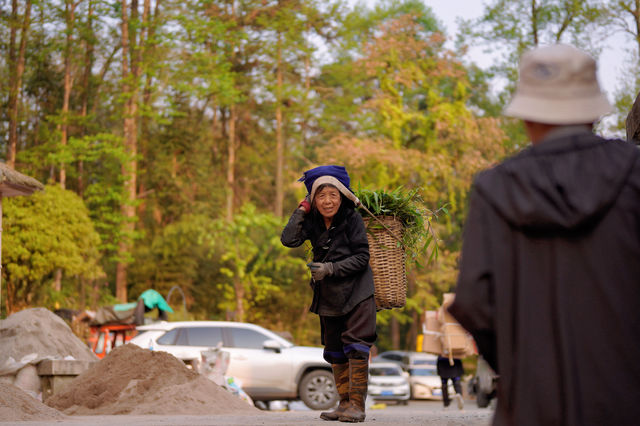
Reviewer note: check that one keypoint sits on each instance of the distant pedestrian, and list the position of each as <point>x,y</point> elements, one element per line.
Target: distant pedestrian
<point>447,372</point>
<point>549,281</point>
<point>342,282</point>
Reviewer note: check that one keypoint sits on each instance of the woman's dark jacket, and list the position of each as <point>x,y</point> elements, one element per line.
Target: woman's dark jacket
<point>345,245</point>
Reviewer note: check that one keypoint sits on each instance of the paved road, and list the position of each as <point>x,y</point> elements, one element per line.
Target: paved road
<point>416,413</point>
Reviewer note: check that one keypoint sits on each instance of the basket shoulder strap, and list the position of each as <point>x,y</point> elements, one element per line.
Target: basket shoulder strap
<point>382,223</point>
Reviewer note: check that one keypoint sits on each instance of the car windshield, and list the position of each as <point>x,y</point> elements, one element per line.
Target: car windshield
<point>384,371</point>
<point>423,372</point>
<point>424,362</point>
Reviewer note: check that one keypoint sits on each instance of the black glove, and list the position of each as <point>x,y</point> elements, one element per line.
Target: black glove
<point>320,270</point>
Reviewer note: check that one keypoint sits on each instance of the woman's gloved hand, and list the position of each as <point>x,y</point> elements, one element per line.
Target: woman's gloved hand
<point>320,270</point>
<point>305,204</point>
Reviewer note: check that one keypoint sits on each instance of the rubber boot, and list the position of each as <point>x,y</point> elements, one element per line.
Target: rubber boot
<point>341,377</point>
<point>358,382</point>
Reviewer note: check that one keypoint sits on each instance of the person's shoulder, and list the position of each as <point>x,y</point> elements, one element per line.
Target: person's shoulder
<point>494,179</point>
<point>488,177</point>
<point>612,142</point>
<point>623,145</point>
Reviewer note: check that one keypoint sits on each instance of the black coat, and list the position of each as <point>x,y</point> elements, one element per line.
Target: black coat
<point>345,245</point>
<point>549,281</point>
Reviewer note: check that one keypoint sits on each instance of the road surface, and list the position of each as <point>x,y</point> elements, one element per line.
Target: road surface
<point>416,413</point>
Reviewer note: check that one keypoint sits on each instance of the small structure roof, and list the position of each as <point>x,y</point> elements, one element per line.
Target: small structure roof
<point>14,183</point>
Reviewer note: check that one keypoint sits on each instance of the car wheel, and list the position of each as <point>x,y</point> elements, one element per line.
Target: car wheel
<point>318,391</point>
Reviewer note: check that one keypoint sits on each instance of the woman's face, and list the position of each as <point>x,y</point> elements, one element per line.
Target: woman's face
<point>328,201</point>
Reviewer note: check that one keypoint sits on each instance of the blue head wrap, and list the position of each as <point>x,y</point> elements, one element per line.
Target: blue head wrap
<point>337,172</point>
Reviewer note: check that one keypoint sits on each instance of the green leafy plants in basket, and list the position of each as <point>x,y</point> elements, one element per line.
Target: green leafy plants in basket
<point>408,207</point>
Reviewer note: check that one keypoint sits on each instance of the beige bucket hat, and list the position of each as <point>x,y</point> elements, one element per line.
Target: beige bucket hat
<point>558,85</point>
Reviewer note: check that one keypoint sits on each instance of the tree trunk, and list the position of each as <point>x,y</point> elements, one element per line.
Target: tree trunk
<point>147,50</point>
<point>88,65</point>
<point>302,319</point>
<point>130,79</point>
<point>70,11</point>
<point>214,131</point>
<point>102,75</point>
<point>394,327</point>
<point>9,299</point>
<point>57,280</point>
<point>16,70</point>
<point>231,144</point>
<point>307,90</point>
<point>239,290</point>
<point>534,22</point>
<point>231,161</point>
<point>412,334</point>
<point>279,201</point>
<point>636,16</point>
<point>123,246</point>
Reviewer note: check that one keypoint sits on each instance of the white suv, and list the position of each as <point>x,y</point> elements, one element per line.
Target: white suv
<point>269,366</point>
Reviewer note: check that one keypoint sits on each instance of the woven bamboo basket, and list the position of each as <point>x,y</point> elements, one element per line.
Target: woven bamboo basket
<point>387,260</point>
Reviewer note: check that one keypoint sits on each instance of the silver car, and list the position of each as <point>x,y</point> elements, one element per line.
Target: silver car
<point>425,382</point>
<point>268,366</point>
<point>387,382</point>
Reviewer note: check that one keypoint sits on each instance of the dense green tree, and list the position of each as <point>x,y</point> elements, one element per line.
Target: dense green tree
<point>47,231</point>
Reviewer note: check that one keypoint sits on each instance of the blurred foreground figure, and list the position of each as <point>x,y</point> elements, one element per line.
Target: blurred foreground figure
<point>549,281</point>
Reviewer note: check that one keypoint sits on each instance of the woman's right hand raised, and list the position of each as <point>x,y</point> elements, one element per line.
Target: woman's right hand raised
<point>305,205</point>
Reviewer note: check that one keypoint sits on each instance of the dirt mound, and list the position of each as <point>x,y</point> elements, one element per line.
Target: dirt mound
<point>37,334</point>
<point>16,405</point>
<point>132,380</point>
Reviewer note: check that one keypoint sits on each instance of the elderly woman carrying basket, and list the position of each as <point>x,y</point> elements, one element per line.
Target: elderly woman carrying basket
<point>342,282</point>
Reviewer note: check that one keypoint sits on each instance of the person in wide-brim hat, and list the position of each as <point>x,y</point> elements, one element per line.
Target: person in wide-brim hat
<point>551,256</point>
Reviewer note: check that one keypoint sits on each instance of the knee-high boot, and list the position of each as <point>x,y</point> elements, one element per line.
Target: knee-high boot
<point>358,383</point>
<point>341,377</point>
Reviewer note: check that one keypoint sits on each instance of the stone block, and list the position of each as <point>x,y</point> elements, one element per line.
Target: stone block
<point>62,367</point>
<point>56,374</point>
